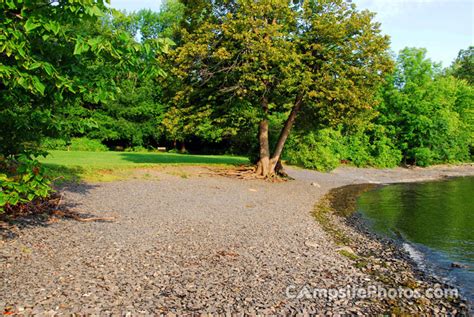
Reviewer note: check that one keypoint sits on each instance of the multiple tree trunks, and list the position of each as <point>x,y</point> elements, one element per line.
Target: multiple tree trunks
<point>270,165</point>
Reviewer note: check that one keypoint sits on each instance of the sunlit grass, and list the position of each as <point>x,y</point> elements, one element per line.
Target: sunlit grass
<point>110,166</point>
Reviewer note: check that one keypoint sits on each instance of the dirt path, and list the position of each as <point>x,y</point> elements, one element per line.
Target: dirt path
<point>195,244</point>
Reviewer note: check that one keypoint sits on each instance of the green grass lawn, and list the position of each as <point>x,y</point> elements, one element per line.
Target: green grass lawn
<point>103,166</point>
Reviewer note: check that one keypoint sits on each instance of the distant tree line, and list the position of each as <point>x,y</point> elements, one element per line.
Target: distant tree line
<point>311,82</point>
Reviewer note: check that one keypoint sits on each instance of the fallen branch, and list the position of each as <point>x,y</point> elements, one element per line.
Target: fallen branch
<point>49,206</point>
<point>76,216</point>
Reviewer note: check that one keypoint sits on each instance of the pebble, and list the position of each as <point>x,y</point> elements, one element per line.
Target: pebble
<point>180,246</point>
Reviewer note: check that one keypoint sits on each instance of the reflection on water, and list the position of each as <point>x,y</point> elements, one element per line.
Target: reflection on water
<point>435,217</point>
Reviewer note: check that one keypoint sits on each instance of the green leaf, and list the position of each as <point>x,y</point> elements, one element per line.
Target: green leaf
<point>80,47</point>
<point>34,65</point>
<point>40,87</point>
<point>55,27</point>
<point>95,11</point>
<point>3,199</point>
<point>30,25</point>
<point>11,4</point>
<point>48,68</point>
<point>14,198</point>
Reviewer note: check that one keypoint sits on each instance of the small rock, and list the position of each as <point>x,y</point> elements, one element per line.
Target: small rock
<point>311,244</point>
<point>346,249</point>
<point>315,185</point>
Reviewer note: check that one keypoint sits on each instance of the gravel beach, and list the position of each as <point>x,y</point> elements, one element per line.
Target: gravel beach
<point>188,242</point>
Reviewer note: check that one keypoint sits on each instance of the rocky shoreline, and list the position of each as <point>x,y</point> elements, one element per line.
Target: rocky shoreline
<point>383,258</point>
<point>205,244</point>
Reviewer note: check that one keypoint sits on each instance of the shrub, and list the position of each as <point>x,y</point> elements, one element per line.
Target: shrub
<point>53,144</point>
<point>85,144</point>
<point>422,156</point>
<point>385,154</point>
<point>324,149</point>
<point>317,150</point>
<point>22,181</point>
<point>137,149</point>
<point>356,149</point>
<point>371,146</point>
<point>75,144</point>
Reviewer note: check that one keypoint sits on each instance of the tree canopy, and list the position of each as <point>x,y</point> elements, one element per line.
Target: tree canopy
<point>233,76</point>
<point>323,59</point>
<point>59,55</point>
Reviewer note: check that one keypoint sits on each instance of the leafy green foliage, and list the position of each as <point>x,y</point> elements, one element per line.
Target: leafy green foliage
<point>59,55</point>
<point>132,119</point>
<point>133,116</point>
<point>463,66</point>
<point>98,78</point>
<point>162,24</point>
<point>58,60</point>
<point>428,113</point>
<point>74,144</point>
<point>316,150</point>
<point>423,117</point>
<point>325,149</point>
<point>22,180</point>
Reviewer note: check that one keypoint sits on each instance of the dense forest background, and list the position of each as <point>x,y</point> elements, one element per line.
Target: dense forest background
<point>111,80</point>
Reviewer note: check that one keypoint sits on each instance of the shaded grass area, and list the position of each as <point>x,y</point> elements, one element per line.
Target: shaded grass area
<point>109,166</point>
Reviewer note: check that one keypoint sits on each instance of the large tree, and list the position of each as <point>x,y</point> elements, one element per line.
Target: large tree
<point>56,54</point>
<point>428,113</point>
<point>132,118</point>
<point>463,66</point>
<point>315,61</point>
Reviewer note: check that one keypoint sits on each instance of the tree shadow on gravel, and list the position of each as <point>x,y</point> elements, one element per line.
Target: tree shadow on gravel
<point>75,187</point>
<point>11,228</point>
<point>51,212</point>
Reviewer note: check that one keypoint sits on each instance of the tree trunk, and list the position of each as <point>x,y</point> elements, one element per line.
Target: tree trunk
<point>263,165</point>
<point>267,166</point>
<point>275,162</point>
<point>183,147</point>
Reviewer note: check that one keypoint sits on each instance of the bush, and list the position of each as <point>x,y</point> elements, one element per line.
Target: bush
<point>323,150</point>
<point>85,144</point>
<point>75,144</point>
<point>422,156</point>
<point>317,150</point>
<point>356,149</point>
<point>371,147</point>
<point>22,181</point>
<point>385,154</point>
<point>53,144</point>
<point>139,149</point>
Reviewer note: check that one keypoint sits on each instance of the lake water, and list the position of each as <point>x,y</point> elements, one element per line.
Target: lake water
<point>436,219</point>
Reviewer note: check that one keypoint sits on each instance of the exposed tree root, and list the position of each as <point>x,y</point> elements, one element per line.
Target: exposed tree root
<point>246,173</point>
<point>49,208</point>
